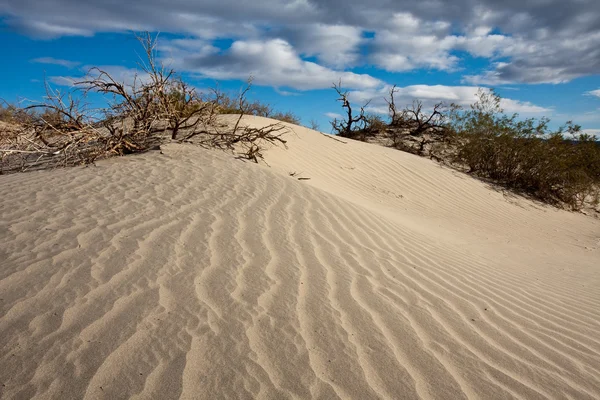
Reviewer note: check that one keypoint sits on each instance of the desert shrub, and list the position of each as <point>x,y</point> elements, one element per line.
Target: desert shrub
<point>185,111</point>
<point>7,120</point>
<point>525,155</point>
<point>375,123</point>
<point>229,104</point>
<point>7,112</point>
<point>314,125</point>
<point>372,126</point>
<point>560,166</point>
<point>287,116</point>
<point>138,116</point>
<point>416,129</point>
<point>351,126</point>
<point>248,140</point>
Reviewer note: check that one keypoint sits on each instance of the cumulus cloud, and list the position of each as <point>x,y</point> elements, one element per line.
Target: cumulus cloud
<point>522,107</point>
<point>550,41</point>
<point>272,62</point>
<point>334,45</point>
<point>546,58</point>
<point>407,42</point>
<point>398,52</point>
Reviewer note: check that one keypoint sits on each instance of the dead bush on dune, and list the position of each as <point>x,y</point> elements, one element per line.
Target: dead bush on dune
<point>314,125</point>
<point>155,106</point>
<point>415,129</point>
<point>64,131</point>
<point>228,104</point>
<point>248,141</point>
<point>8,122</point>
<point>287,116</point>
<point>156,102</point>
<point>351,126</point>
<point>58,132</point>
<point>557,167</point>
<point>7,112</point>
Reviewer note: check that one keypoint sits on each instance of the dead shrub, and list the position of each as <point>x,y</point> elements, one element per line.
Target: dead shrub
<point>247,141</point>
<point>229,104</point>
<point>140,115</point>
<point>351,126</point>
<point>417,130</point>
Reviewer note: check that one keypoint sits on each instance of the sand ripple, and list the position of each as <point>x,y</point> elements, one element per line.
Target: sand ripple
<point>192,275</point>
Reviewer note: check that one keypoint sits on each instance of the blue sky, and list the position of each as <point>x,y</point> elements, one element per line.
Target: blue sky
<point>543,57</point>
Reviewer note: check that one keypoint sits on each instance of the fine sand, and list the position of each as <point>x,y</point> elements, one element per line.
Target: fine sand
<point>190,274</point>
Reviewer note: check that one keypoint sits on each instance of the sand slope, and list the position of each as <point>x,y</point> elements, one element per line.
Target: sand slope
<point>193,275</point>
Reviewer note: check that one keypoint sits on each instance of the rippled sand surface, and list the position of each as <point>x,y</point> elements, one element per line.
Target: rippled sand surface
<point>190,274</point>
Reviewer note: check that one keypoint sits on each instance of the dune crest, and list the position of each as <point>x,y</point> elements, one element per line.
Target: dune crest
<point>190,274</point>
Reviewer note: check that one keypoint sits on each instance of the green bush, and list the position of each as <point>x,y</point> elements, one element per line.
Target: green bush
<point>525,155</point>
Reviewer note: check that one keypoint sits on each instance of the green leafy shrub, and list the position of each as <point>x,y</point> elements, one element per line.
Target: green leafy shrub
<point>525,155</point>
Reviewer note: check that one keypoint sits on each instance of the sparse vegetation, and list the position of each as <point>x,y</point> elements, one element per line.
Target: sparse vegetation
<point>416,130</point>
<point>249,139</point>
<point>228,104</point>
<point>314,125</point>
<point>520,154</point>
<point>559,167</point>
<point>64,130</point>
<point>7,112</point>
<point>525,155</point>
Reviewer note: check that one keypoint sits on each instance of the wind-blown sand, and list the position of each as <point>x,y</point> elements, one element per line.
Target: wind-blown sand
<point>191,274</point>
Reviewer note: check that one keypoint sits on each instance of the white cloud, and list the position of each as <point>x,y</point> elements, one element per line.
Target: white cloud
<point>549,41</point>
<point>398,53</point>
<point>55,61</point>
<point>128,76</point>
<point>334,45</point>
<point>410,43</point>
<point>407,43</point>
<point>63,80</point>
<point>333,115</point>
<point>432,94</point>
<point>272,62</point>
<point>482,45</point>
<point>593,132</point>
<point>594,93</point>
<point>491,77</point>
<point>49,30</point>
<point>545,57</point>
<point>522,107</point>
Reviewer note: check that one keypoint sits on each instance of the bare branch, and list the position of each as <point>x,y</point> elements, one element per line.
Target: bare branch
<point>351,124</point>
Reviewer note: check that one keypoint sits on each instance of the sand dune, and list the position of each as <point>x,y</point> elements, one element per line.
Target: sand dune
<point>190,274</point>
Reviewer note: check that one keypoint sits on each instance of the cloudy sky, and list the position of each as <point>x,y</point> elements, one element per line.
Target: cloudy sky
<point>543,56</point>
